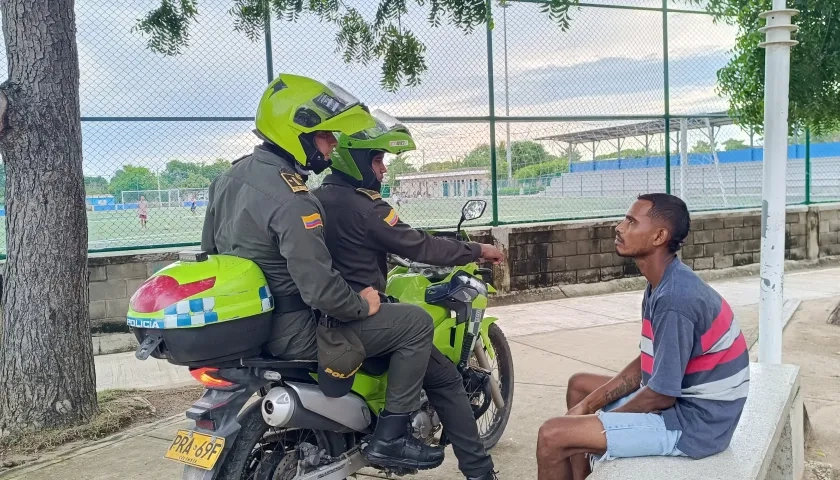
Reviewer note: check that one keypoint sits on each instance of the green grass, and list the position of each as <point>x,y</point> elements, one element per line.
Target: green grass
<point>167,226</point>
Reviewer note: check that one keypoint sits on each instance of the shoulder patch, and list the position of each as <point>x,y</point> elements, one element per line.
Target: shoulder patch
<point>312,221</point>
<point>372,194</point>
<point>392,218</point>
<point>294,181</point>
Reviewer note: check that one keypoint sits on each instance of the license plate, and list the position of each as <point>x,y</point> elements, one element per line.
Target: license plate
<point>196,449</point>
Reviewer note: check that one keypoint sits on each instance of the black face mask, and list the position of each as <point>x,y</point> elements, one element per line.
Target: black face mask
<point>364,162</point>
<point>315,160</point>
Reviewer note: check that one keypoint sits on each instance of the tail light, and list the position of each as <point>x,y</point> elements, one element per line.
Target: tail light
<point>209,378</point>
<point>206,424</point>
<point>163,291</point>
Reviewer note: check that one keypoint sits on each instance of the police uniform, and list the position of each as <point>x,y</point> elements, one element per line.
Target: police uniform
<point>361,230</point>
<point>261,209</point>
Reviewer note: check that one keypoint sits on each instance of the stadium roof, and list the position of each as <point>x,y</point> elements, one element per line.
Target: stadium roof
<point>638,129</point>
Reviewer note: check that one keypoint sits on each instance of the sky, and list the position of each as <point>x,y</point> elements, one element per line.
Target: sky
<point>610,62</point>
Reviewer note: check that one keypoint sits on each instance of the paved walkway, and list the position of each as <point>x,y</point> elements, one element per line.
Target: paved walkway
<point>124,371</point>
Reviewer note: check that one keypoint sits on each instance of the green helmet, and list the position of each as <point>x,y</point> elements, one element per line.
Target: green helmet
<point>293,108</point>
<point>354,155</point>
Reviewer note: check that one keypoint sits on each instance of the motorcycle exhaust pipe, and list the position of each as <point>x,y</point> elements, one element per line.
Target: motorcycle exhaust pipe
<point>301,405</point>
<point>483,362</point>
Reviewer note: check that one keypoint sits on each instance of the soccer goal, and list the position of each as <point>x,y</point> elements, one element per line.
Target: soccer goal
<point>156,198</point>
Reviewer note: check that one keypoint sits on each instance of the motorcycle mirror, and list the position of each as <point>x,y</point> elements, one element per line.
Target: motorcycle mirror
<point>473,209</point>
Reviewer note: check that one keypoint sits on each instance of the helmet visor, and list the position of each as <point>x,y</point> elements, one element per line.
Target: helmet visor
<point>327,104</point>
<point>384,124</point>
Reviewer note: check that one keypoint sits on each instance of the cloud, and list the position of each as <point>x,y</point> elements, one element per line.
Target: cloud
<point>609,62</point>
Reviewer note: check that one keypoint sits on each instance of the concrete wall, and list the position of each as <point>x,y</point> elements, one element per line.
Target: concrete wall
<point>113,280</point>
<point>549,255</point>
<point>829,232</point>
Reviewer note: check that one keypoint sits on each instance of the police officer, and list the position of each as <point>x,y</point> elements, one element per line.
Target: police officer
<point>361,231</point>
<point>262,210</point>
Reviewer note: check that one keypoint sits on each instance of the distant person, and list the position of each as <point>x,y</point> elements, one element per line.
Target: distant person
<point>192,205</point>
<point>685,392</point>
<point>143,210</point>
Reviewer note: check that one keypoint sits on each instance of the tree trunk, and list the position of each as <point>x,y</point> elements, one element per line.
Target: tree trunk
<point>47,376</point>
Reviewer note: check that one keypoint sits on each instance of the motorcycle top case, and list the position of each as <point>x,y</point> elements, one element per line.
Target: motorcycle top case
<point>203,308</point>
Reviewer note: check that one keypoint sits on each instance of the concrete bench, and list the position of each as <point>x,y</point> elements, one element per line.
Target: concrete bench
<point>769,442</point>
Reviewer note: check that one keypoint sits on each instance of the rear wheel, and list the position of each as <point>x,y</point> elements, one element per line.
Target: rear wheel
<point>491,425</point>
<point>261,452</point>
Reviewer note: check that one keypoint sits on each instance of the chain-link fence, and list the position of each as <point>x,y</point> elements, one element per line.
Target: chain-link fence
<point>545,125</point>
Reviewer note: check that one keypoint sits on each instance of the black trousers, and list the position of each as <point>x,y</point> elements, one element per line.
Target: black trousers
<point>445,388</point>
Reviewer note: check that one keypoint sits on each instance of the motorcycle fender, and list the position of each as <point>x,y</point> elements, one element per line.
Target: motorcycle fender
<point>485,335</point>
<point>229,431</point>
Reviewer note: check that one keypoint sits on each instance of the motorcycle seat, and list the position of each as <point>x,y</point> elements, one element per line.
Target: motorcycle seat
<point>375,366</point>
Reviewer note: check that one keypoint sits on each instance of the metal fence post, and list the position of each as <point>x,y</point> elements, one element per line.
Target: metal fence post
<point>494,187</point>
<point>269,60</point>
<point>807,166</point>
<point>667,97</point>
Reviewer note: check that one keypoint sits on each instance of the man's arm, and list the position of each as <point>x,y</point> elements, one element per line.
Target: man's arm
<point>388,233</point>
<point>300,234</point>
<point>208,231</point>
<point>624,383</point>
<point>672,346</point>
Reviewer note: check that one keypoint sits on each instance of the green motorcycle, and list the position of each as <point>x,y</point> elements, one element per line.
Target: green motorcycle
<point>208,312</point>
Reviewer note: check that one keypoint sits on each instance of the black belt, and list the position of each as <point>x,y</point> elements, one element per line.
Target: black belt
<point>289,303</point>
<point>328,321</point>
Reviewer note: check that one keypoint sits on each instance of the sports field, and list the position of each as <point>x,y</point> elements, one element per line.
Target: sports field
<point>176,225</point>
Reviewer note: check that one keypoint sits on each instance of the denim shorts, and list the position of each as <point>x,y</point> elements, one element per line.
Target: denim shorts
<point>635,434</point>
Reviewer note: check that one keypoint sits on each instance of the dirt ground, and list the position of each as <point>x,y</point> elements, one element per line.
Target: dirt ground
<point>119,410</point>
<point>814,345</point>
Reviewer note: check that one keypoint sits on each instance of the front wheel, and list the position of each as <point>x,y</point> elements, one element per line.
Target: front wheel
<point>491,424</point>
<point>261,452</point>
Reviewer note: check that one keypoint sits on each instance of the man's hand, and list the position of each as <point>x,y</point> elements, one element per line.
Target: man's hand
<point>372,298</point>
<point>489,253</point>
<point>580,409</point>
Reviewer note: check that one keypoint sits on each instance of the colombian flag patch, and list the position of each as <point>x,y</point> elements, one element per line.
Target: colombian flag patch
<point>392,218</point>
<point>312,221</point>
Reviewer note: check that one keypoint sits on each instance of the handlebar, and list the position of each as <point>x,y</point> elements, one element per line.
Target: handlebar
<point>399,260</point>
<point>416,265</point>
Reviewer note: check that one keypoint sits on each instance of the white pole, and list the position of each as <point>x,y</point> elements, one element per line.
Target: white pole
<point>773,189</point>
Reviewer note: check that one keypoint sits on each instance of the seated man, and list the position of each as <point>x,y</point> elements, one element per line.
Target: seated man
<point>684,394</point>
<point>361,229</point>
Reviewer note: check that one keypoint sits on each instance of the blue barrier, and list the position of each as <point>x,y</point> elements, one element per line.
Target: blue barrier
<point>134,206</point>
<point>735,156</point>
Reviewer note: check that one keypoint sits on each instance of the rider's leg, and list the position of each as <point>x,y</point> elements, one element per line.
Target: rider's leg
<point>405,332</point>
<point>293,336</point>
<point>445,389</point>
<point>579,387</point>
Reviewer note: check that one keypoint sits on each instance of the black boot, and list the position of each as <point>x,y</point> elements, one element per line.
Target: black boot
<point>393,446</point>
<point>491,475</point>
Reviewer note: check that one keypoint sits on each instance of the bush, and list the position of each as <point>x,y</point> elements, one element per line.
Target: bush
<point>540,169</point>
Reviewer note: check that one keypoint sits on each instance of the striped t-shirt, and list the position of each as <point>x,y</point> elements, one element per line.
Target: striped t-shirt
<point>693,349</point>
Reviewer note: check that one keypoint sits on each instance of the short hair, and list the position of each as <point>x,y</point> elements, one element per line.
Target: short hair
<point>674,212</point>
